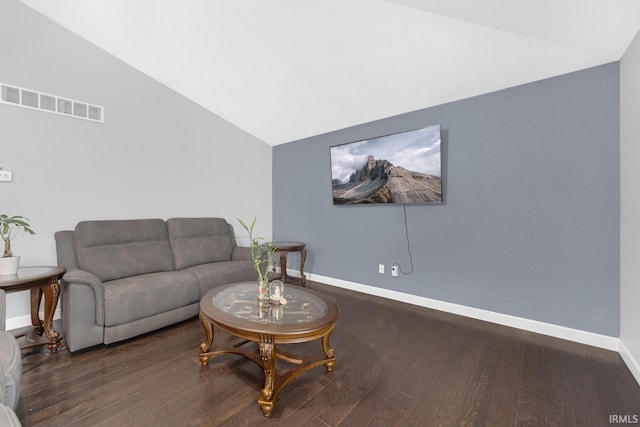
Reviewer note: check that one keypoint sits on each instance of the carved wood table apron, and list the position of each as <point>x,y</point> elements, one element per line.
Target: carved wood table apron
<point>39,280</point>
<point>284,247</point>
<point>307,316</point>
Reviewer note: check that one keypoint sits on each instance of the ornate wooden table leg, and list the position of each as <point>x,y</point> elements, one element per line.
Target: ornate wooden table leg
<point>206,345</point>
<point>36,299</point>
<point>329,352</point>
<point>51,295</point>
<point>268,356</point>
<point>303,257</point>
<point>283,266</point>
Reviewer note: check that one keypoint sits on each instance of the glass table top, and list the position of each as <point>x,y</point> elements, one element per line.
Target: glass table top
<point>26,273</point>
<point>241,301</point>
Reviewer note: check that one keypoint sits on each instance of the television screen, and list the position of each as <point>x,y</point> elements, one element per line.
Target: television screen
<point>399,168</point>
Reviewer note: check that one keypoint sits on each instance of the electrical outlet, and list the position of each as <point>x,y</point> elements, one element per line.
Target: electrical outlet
<point>395,270</point>
<point>381,268</point>
<point>5,176</point>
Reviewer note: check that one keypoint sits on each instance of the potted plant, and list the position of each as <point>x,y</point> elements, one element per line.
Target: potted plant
<point>9,226</point>
<point>261,254</point>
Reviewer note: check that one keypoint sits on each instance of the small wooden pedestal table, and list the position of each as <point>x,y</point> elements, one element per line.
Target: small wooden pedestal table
<point>39,280</point>
<point>307,316</point>
<point>284,247</point>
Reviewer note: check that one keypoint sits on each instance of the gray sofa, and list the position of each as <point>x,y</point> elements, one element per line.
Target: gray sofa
<point>128,277</point>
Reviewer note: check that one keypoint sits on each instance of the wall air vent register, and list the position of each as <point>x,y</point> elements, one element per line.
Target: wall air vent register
<point>21,97</point>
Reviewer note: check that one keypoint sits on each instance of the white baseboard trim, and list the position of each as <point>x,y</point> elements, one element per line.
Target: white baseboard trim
<point>22,321</point>
<point>632,362</point>
<point>570,334</point>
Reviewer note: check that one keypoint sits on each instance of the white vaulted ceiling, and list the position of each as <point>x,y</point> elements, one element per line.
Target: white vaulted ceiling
<point>283,70</point>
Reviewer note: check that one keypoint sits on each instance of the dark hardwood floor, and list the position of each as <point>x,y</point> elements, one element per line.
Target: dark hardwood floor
<point>397,365</point>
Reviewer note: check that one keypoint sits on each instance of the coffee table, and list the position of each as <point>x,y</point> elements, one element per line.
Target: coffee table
<point>40,281</point>
<point>307,316</point>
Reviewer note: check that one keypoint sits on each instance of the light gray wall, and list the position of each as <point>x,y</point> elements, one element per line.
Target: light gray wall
<point>530,224</point>
<point>630,211</point>
<point>157,154</point>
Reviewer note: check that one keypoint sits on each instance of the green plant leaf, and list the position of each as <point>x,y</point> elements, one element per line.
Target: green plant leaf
<point>8,224</point>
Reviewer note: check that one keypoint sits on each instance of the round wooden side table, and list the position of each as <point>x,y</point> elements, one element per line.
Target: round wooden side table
<point>40,281</point>
<point>284,247</point>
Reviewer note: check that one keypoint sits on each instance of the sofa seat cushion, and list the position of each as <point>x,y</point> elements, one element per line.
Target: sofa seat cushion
<point>137,297</point>
<point>10,369</point>
<point>222,273</point>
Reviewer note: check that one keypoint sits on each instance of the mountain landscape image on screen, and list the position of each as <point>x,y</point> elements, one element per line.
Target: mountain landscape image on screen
<point>379,181</point>
<point>400,168</point>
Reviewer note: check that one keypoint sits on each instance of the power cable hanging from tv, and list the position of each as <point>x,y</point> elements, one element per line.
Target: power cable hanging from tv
<point>406,230</point>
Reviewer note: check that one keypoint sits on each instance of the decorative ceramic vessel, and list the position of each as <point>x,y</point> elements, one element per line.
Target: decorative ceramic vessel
<point>9,265</point>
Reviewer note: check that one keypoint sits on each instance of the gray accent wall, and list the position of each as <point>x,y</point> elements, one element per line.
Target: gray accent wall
<point>530,223</point>
<point>157,155</point>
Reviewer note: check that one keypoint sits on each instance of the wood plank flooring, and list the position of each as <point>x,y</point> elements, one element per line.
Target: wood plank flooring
<point>397,365</point>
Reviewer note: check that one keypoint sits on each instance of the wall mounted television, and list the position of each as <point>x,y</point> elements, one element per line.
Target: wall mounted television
<point>401,168</point>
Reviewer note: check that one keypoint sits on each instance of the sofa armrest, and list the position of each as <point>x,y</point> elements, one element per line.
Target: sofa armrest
<point>241,253</point>
<point>82,277</point>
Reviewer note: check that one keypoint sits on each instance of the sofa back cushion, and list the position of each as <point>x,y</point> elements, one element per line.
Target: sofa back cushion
<point>122,248</point>
<point>197,241</point>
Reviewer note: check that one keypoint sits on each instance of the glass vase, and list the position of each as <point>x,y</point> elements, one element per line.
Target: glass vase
<point>263,290</point>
